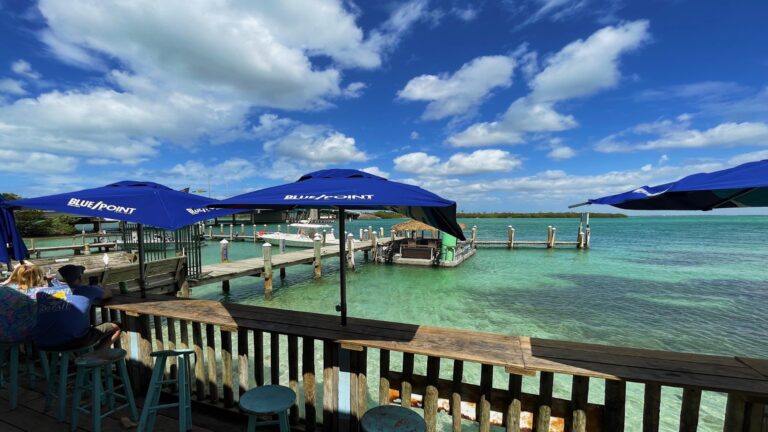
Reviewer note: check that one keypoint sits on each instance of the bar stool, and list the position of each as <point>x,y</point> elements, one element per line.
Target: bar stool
<point>268,400</point>
<point>387,418</point>
<point>152,401</point>
<point>58,375</point>
<point>13,369</point>
<point>94,364</point>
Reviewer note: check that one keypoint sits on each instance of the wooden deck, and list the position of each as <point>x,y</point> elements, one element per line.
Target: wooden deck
<point>29,416</point>
<point>219,272</point>
<point>233,338</point>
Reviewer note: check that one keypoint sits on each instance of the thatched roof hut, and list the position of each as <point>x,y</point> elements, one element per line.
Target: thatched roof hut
<point>413,225</point>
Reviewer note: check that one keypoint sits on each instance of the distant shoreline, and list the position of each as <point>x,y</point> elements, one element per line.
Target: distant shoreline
<point>538,215</point>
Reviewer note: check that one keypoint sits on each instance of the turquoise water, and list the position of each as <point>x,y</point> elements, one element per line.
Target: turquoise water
<point>693,284</point>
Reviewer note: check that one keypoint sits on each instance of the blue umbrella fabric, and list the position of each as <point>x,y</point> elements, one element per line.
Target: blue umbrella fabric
<point>145,203</point>
<point>745,185</point>
<point>12,245</point>
<point>353,190</point>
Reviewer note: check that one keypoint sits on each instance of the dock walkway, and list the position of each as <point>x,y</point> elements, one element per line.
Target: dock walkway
<point>225,271</point>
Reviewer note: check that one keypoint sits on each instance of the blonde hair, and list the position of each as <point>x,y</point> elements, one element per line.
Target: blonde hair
<point>26,275</point>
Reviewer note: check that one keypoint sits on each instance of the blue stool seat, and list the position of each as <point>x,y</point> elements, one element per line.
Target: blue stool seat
<point>268,400</point>
<point>13,369</point>
<point>58,375</point>
<point>93,364</point>
<point>387,418</point>
<point>156,383</point>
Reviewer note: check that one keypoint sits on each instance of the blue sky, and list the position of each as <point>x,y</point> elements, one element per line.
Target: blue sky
<point>511,105</point>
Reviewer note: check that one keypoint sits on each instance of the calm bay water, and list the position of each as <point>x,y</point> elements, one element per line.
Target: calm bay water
<point>695,284</point>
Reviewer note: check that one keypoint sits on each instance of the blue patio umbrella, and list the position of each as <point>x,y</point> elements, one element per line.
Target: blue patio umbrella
<point>745,185</point>
<point>346,189</point>
<point>12,245</point>
<point>143,203</point>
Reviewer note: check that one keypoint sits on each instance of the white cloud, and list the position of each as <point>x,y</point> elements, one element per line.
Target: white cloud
<point>585,67</point>
<point>258,52</point>
<point>107,124</point>
<point>678,135</point>
<point>561,153</point>
<point>375,171</point>
<point>23,68</point>
<point>354,90</point>
<point>521,117</point>
<point>468,13</point>
<point>26,162</point>
<point>316,144</point>
<point>414,135</point>
<point>477,162</point>
<point>195,172</point>
<point>579,69</point>
<point>12,87</point>
<point>465,89</point>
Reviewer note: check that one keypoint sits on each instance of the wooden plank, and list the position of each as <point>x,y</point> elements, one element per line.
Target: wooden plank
<point>145,349</point>
<point>484,404</point>
<point>308,377</point>
<point>258,357</point>
<point>293,376</point>
<point>407,386</point>
<point>384,377</point>
<point>651,407</point>
<point>689,412</point>
<point>615,396</point>
<point>274,358</point>
<point>200,382</point>
<point>735,411</point>
<point>456,391</point>
<point>514,403</point>
<point>330,385</point>
<point>430,396</point>
<point>213,383</point>
<point>172,366</point>
<point>243,365</point>
<point>544,404</point>
<point>226,369</point>
<point>577,422</point>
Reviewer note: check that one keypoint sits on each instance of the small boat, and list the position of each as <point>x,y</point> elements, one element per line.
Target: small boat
<point>303,237</point>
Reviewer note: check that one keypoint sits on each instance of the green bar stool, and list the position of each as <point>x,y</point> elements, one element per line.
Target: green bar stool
<point>13,367</point>
<point>59,376</point>
<point>152,401</point>
<point>91,366</point>
<point>268,400</point>
<point>387,418</point>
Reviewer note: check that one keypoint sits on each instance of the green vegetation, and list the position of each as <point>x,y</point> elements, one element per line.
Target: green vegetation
<point>383,214</point>
<point>537,215</point>
<point>33,223</point>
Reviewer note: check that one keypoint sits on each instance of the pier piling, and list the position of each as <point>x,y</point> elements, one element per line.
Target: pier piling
<point>510,237</point>
<point>351,251</point>
<point>266,253</point>
<point>317,263</point>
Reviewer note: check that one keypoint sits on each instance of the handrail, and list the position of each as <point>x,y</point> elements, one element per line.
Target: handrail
<point>744,380</point>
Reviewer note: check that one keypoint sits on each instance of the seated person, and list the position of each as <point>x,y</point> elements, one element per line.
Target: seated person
<point>64,314</point>
<point>18,315</point>
<point>25,275</point>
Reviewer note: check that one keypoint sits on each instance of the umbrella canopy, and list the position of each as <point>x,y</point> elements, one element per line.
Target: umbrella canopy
<point>355,190</point>
<point>745,185</point>
<point>143,203</point>
<point>351,189</point>
<point>413,225</point>
<point>12,245</point>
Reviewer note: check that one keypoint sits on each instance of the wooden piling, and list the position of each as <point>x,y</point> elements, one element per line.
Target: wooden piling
<point>318,269</point>
<point>351,251</point>
<point>255,233</point>
<point>381,231</point>
<point>231,229</point>
<point>510,237</point>
<point>552,240</point>
<point>266,253</point>
<point>474,237</point>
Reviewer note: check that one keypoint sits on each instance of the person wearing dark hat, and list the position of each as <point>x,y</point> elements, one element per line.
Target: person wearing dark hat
<point>64,314</point>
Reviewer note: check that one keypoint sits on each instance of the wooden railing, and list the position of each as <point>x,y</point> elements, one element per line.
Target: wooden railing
<point>310,352</point>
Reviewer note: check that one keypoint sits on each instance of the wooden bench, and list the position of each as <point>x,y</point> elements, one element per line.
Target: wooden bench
<point>163,276</point>
<point>88,261</point>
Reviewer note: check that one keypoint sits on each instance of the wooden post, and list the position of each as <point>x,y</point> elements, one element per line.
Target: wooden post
<point>325,234</point>
<point>244,380</point>
<point>651,406</point>
<point>544,403</point>
<point>226,368</point>
<point>210,231</point>
<point>87,250</point>
<point>330,385</point>
<point>384,377</point>
<point>511,417</point>
<point>351,251</point>
<point>615,397</point>
<point>484,404</point>
<point>266,253</point>
<point>293,375</point>
<point>474,237</point>
<point>317,261</point>
<point>392,234</point>
<point>282,245</point>
<point>552,240</point>
<point>361,234</point>
<point>579,394</point>
<point>430,397</point>
<point>197,340</point>
<point>255,233</point>
<point>221,228</point>
<point>370,232</point>
<point>588,236</point>
<point>279,228</point>
<point>308,376</point>
<point>231,230</point>
<point>456,387</point>
<point>210,355</point>
<point>580,238</point>
<point>510,237</point>
<point>224,250</point>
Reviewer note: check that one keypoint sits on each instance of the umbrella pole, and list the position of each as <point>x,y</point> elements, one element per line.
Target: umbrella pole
<point>342,307</point>
<point>140,235</point>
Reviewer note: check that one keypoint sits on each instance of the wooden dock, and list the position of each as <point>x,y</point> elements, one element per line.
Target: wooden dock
<point>263,266</point>
<point>583,239</point>
<point>79,249</point>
